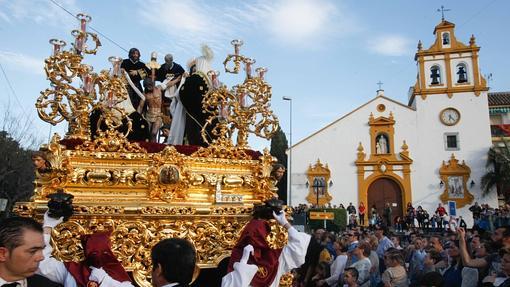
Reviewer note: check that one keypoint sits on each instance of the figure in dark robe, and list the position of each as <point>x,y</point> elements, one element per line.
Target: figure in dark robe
<point>192,93</point>
<point>170,73</point>
<point>137,71</point>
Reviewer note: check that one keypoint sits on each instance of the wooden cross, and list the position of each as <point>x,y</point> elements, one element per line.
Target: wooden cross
<point>442,10</point>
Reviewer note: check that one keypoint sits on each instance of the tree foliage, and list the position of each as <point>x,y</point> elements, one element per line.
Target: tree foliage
<point>279,145</point>
<point>16,171</point>
<point>498,170</point>
<point>17,139</point>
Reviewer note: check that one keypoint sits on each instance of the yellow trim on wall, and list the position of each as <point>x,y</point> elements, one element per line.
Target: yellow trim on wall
<point>455,169</point>
<point>383,165</point>
<point>318,170</point>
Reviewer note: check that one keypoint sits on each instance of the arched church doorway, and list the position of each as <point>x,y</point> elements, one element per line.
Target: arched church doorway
<point>382,191</point>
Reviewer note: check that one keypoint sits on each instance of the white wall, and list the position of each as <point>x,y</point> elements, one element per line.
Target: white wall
<point>475,141</point>
<point>337,146</point>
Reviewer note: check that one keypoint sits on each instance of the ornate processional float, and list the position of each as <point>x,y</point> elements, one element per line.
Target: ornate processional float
<point>144,192</point>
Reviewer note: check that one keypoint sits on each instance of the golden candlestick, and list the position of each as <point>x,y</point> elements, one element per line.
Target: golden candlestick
<point>74,88</point>
<point>243,109</point>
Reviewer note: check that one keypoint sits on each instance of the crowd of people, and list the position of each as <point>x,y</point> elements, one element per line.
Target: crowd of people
<point>484,217</point>
<point>357,256</point>
<point>363,256</point>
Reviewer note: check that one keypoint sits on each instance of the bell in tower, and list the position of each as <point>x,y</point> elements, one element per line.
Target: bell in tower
<point>446,39</point>
<point>435,76</point>
<point>462,74</point>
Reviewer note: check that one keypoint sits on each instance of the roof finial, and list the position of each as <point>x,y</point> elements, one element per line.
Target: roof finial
<point>442,10</point>
<point>472,41</point>
<point>420,45</point>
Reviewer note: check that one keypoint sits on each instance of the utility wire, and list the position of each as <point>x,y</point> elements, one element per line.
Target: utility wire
<point>477,13</point>
<point>14,93</point>
<point>92,28</point>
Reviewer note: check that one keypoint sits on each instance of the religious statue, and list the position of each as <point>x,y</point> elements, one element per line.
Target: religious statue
<point>137,71</point>
<point>41,163</point>
<point>153,115</point>
<point>381,146</point>
<point>192,93</point>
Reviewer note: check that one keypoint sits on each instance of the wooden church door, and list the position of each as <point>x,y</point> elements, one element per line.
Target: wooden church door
<point>382,191</point>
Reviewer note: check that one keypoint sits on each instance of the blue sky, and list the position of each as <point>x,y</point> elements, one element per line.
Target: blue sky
<point>326,55</point>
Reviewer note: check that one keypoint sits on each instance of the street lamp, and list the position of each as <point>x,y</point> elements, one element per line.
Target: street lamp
<point>289,161</point>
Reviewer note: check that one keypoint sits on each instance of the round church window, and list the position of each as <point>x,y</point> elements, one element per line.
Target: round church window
<point>381,107</point>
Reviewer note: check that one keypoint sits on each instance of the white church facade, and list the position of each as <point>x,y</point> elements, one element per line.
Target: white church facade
<point>430,150</point>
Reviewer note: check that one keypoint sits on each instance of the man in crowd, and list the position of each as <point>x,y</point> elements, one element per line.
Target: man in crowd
<point>21,251</point>
<point>351,209</point>
<point>441,212</point>
<point>476,209</point>
<point>384,244</point>
<point>173,263</point>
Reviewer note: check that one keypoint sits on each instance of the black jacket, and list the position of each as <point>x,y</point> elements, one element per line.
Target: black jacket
<point>41,281</point>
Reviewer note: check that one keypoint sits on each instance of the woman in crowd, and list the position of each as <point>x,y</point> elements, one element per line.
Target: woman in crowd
<point>395,275</point>
<point>338,265</point>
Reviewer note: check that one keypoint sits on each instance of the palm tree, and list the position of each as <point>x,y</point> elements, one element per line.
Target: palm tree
<point>498,170</point>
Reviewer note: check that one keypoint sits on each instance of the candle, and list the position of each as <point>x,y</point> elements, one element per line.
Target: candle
<point>237,44</point>
<point>57,45</point>
<point>84,19</point>
<point>116,65</point>
<point>248,62</point>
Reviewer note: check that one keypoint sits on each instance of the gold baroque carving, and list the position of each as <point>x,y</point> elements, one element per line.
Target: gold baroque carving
<point>132,240</point>
<point>111,141</point>
<point>231,210</point>
<point>455,175</point>
<point>318,174</point>
<point>278,236</point>
<point>222,149</point>
<point>98,209</point>
<point>178,210</point>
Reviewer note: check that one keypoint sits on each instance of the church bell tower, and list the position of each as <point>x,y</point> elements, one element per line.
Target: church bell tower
<point>452,119</point>
<point>448,66</point>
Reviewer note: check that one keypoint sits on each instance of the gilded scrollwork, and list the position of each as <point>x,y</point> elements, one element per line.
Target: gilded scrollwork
<point>173,210</point>
<point>243,109</point>
<point>286,280</point>
<point>277,237</point>
<point>231,210</point>
<point>111,141</point>
<point>25,209</point>
<point>103,209</point>
<point>222,150</point>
